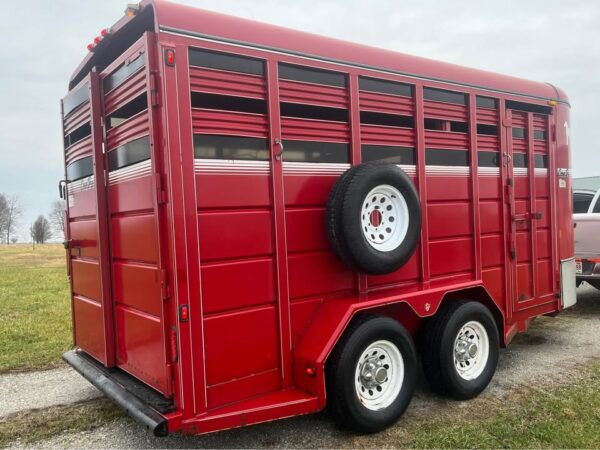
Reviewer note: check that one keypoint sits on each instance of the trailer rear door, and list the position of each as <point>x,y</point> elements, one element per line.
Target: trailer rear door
<point>119,281</point>
<point>531,207</point>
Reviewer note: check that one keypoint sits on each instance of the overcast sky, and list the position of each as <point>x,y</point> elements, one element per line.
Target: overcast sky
<point>554,41</point>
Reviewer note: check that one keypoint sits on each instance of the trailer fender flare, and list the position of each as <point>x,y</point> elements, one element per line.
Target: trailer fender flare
<point>334,315</point>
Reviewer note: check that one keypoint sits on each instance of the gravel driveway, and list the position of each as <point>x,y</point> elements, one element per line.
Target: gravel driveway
<point>548,354</point>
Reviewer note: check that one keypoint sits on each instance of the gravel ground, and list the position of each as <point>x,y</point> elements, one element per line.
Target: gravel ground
<point>38,390</point>
<point>549,354</point>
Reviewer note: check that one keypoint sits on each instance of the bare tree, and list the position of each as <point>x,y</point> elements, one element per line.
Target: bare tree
<point>57,216</point>
<point>11,213</point>
<point>40,230</point>
<point>14,240</point>
<point>3,215</point>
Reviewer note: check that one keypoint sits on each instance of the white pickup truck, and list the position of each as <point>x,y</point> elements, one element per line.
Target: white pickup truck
<point>586,215</point>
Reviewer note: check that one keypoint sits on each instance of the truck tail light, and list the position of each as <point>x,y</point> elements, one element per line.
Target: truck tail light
<point>170,57</point>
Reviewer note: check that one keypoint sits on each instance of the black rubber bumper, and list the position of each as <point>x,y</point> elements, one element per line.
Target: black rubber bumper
<point>101,378</point>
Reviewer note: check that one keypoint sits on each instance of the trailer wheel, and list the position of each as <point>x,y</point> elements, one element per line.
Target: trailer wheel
<point>460,350</point>
<point>374,218</point>
<point>371,375</point>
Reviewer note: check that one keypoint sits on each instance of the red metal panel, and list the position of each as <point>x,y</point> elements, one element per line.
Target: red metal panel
<point>220,190</point>
<point>448,188</point>
<point>84,234</point>
<point>441,264</point>
<point>305,229</point>
<point>492,249</point>
<point>139,342</point>
<point>494,281</point>
<point>241,388</point>
<point>386,103</point>
<point>247,233</point>
<point>130,89</point>
<point>449,219</point>
<point>87,314</point>
<point>490,187</point>
<point>235,285</point>
<point>312,94</point>
<point>447,111</point>
<point>130,196</point>
<point>137,286</point>
<point>86,279</point>
<point>324,270</point>
<point>446,139</point>
<point>408,272</point>
<point>307,190</point>
<point>314,130</point>
<point>222,82</point>
<point>492,218</point>
<point>253,348</point>
<point>376,134</point>
<point>209,121</point>
<point>130,130</point>
<point>302,312</point>
<point>134,238</point>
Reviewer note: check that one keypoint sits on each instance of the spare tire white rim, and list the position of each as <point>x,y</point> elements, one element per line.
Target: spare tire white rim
<point>384,218</point>
<point>471,350</point>
<point>379,375</point>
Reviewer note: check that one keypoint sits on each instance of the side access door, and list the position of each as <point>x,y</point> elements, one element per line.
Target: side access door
<point>135,198</point>
<point>531,209</point>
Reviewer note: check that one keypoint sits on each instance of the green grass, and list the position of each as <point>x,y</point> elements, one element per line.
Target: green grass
<point>34,426</point>
<point>35,318</point>
<point>565,417</point>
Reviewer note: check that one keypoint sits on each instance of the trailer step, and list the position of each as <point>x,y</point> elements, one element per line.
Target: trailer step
<point>139,401</point>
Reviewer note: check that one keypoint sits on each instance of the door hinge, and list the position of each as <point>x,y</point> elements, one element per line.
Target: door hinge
<point>154,98</point>
<point>165,292</point>
<point>161,195</point>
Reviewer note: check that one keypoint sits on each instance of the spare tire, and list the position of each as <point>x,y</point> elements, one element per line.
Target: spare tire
<point>374,218</point>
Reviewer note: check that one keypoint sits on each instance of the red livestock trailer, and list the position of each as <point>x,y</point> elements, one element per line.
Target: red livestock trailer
<point>263,222</point>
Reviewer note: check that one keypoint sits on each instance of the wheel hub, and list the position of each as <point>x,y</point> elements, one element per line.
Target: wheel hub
<point>384,218</point>
<point>471,350</point>
<point>379,375</point>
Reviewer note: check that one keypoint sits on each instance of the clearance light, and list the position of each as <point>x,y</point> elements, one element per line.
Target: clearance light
<point>311,371</point>
<point>184,313</point>
<point>90,46</point>
<point>97,40</point>
<point>132,9</point>
<point>104,32</point>
<point>552,102</point>
<point>170,57</point>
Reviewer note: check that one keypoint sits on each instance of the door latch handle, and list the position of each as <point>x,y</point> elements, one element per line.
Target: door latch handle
<point>278,143</point>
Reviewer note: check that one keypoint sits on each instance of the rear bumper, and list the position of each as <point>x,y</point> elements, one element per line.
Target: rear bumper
<point>590,270</point>
<point>107,383</point>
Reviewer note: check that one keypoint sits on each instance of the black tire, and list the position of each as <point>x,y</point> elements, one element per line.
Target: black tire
<point>343,401</point>
<point>437,349</point>
<point>594,283</point>
<point>344,210</point>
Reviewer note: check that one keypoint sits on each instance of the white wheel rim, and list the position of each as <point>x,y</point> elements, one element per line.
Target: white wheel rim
<point>384,218</point>
<point>379,375</point>
<point>471,350</point>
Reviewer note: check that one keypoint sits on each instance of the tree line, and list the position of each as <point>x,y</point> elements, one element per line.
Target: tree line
<point>40,231</point>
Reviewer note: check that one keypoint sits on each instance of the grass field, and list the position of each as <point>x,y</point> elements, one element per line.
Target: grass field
<point>35,311</point>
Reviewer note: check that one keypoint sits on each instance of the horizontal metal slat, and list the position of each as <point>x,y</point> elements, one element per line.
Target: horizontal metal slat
<point>312,94</point>
<point>519,120</point>
<point>207,121</point>
<point>126,92</point>
<point>373,134</point>
<point>227,83</point>
<point>539,122</point>
<point>318,130</point>
<point>445,139</point>
<point>79,150</point>
<point>485,142</point>
<point>540,146</point>
<point>133,128</point>
<point>77,118</point>
<point>447,111</point>
<point>387,103</point>
<point>487,116</point>
<point>519,144</point>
